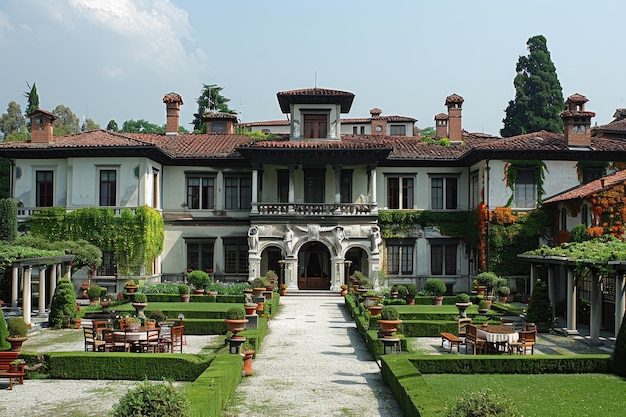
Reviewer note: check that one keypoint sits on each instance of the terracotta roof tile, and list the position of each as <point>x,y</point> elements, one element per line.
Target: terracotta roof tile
<point>586,190</point>
<point>454,98</point>
<point>173,98</point>
<point>89,139</point>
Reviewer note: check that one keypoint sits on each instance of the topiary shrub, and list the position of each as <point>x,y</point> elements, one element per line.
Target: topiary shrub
<point>578,234</point>
<point>140,298</point>
<point>198,279</point>
<point>462,298</point>
<point>540,308</point>
<point>389,313</point>
<point>483,305</point>
<point>402,290</point>
<point>483,404</point>
<point>63,305</point>
<point>504,291</point>
<point>154,399</point>
<point>618,357</point>
<point>435,287</point>
<point>487,279</point>
<point>8,219</point>
<point>4,345</point>
<point>236,313</point>
<point>17,327</point>
<point>94,291</point>
<point>411,290</point>
<point>260,282</point>
<point>184,289</point>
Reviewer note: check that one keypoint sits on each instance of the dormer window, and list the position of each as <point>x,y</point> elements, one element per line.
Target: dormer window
<point>315,125</point>
<point>579,129</point>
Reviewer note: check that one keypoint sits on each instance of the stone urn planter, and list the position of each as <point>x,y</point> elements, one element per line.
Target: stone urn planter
<point>236,325</point>
<point>258,291</point>
<point>16,343</point>
<point>375,310</point>
<point>140,307</point>
<point>388,327</point>
<point>250,308</point>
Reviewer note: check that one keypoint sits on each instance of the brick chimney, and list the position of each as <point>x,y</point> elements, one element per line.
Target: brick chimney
<point>454,104</point>
<point>172,102</point>
<point>441,125</point>
<point>379,126</point>
<point>41,126</point>
<point>220,122</point>
<point>577,122</point>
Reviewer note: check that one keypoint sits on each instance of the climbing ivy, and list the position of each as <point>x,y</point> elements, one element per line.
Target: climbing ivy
<point>400,223</point>
<point>512,168</point>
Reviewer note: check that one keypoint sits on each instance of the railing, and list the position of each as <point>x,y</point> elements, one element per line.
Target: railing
<point>25,212</point>
<point>314,209</point>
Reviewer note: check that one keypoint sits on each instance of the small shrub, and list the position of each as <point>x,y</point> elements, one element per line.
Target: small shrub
<point>236,313</point>
<point>411,290</point>
<point>4,345</point>
<point>260,282</point>
<point>504,291</point>
<point>487,279</point>
<point>17,327</point>
<point>94,292</point>
<point>402,290</point>
<point>389,313</point>
<point>140,298</point>
<point>482,404</point>
<point>540,308</point>
<point>156,315</point>
<point>483,305</point>
<point>198,279</point>
<point>155,399</point>
<point>183,289</point>
<point>364,282</point>
<point>462,298</point>
<point>435,287</point>
<point>63,305</point>
<point>578,234</point>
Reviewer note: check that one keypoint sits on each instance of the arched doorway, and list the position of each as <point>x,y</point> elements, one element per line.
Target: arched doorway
<point>359,260</point>
<point>314,267</point>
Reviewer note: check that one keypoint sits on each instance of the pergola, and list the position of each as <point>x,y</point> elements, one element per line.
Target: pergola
<point>562,271</point>
<point>55,264</point>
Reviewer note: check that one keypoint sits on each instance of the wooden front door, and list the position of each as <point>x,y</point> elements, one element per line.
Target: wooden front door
<point>314,267</point>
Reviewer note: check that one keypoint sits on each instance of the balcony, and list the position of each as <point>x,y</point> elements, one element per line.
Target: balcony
<point>314,209</point>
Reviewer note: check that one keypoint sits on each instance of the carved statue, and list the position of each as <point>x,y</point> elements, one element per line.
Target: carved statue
<point>375,238</point>
<point>289,240</point>
<point>253,238</point>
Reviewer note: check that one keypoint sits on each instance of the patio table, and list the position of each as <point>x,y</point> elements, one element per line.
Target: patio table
<point>498,336</point>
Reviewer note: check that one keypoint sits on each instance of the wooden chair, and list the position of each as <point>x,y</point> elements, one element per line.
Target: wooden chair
<point>165,336</point>
<point>509,323</point>
<point>527,340</point>
<point>120,344</point>
<point>462,327</point>
<point>107,336</point>
<point>100,325</point>
<point>92,344</point>
<point>177,338</point>
<point>151,344</point>
<point>471,338</point>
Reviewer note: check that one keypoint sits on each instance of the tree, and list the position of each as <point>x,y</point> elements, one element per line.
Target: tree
<point>32,101</point>
<point>538,95</point>
<point>13,120</point>
<point>141,126</point>
<point>112,126</point>
<point>428,132</point>
<point>89,124</point>
<point>210,99</point>
<point>63,305</point>
<point>5,175</point>
<point>66,123</point>
<point>539,307</point>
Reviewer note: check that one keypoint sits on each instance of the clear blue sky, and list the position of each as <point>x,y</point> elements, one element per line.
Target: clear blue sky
<point>116,59</point>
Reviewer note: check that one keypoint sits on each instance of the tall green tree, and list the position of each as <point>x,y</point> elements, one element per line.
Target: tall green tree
<point>112,126</point>
<point>67,122</point>
<point>538,94</point>
<point>32,101</point>
<point>210,99</point>
<point>141,126</point>
<point>13,120</point>
<point>89,124</point>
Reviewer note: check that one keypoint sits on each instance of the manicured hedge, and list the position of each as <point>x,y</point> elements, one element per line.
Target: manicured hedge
<point>210,392</point>
<point>120,365</point>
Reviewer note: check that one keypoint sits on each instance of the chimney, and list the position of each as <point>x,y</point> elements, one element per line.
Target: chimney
<point>41,126</point>
<point>577,122</point>
<point>172,102</point>
<point>220,122</point>
<point>379,126</point>
<point>454,104</point>
<point>441,125</point>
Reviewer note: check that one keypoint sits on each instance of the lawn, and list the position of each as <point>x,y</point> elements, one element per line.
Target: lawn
<point>542,395</point>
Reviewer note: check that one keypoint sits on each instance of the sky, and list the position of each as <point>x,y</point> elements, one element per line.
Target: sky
<point>116,59</point>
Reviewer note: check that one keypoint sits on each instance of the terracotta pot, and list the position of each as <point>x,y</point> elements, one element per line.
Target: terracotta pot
<point>198,291</point>
<point>78,323</point>
<point>250,309</point>
<point>185,298</point>
<point>410,300</point>
<point>480,290</point>
<point>388,327</point>
<point>437,301</point>
<point>16,343</point>
<point>247,362</point>
<point>236,326</point>
<point>150,324</point>
<point>375,310</point>
<point>258,291</point>
<point>131,288</point>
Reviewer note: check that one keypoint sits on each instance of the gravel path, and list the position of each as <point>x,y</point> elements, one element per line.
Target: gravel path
<point>313,362</point>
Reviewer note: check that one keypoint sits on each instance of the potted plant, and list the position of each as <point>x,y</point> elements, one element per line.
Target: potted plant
<point>436,288</point>
<point>411,293</point>
<point>184,290</point>
<point>503,293</point>
<point>131,286</point>
<point>140,301</point>
<point>259,285</point>
<point>247,352</point>
<point>489,280</point>
<point>94,292</point>
<point>283,289</point>
<point>133,323</point>
<point>17,329</point>
<point>344,290</point>
<point>250,308</point>
<point>199,279</point>
<point>483,306</point>
<point>462,302</point>
<point>389,321</point>
<point>236,320</point>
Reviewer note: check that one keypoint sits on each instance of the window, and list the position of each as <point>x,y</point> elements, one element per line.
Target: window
<point>579,129</point>
<point>314,180</point>
<point>315,125</point>
<point>235,256</point>
<point>108,187</point>
<point>218,127</point>
<point>238,192</point>
<point>400,256</point>
<point>400,192</point>
<point>397,130</point>
<point>563,218</point>
<point>346,185</point>
<point>200,254</point>
<point>584,214</point>
<point>354,130</point>
<point>201,192</point>
<point>362,130</point>
<point>474,190</point>
<point>44,188</point>
<point>283,186</point>
<point>525,190</point>
<point>444,193</point>
<point>108,266</point>
<point>443,258</point>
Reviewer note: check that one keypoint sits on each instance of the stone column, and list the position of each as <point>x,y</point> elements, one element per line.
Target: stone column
<point>292,187</point>
<point>533,278</point>
<point>42,288</point>
<point>26,294</point>
<point>291,273</point>
<point>15,286</point>
<point>255,191</point>
<point>620,304</point>
<point>373,201</point>
<point>596,308</point>
<point>254,269</point>
<point>336,275</point>
<point>337,169</point>
<point>571,301</point>
<point>373,268</point>
<point>53,281</point>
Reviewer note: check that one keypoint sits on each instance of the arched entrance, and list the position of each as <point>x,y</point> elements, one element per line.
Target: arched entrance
<point>314,267</point>
<point>359,260</point>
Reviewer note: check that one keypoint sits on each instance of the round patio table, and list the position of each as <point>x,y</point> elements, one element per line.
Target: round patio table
<point>498,336</point>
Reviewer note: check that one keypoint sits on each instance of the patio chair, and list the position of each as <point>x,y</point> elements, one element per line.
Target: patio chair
<point>92,344</point>
<point>165,336</point>
<point>151,344</point>
<point>462,327</point>
<point>120,344</point>
<point>527,340</point>
<point>99,325</point>
<point>177,339</point>
<point>471,338</point>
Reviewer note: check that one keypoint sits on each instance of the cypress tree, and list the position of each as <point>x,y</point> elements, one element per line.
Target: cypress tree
<point>538,94</point>
<point>618,357</point>
<point>63,305</point>
<point>540,308</point>
<point>8,219</point>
